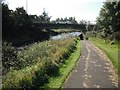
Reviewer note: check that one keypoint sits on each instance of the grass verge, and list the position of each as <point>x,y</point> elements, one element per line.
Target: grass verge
<point>111,51</point>
<point>65,69</point>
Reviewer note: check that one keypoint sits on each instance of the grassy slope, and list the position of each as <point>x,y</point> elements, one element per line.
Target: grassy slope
<point>35,59</point>
<point>65,69</point>
<point>110,50</point>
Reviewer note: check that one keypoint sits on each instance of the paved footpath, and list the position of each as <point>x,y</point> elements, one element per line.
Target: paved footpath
<point>93,70</point>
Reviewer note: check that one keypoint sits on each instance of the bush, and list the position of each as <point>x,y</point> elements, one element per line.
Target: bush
<point>40,77</point>
<point>52,69</point>
<point>9,57</point>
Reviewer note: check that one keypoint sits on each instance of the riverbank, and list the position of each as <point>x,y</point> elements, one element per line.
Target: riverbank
<point>37,63</point>
<point>65,68</point>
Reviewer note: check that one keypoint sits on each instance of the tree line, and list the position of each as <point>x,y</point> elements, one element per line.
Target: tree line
<point>108,22</point>
<point>70,20</point>
<point>17,25</point>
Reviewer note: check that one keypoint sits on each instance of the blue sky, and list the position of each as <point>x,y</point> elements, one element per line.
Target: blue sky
<point>80,9</point>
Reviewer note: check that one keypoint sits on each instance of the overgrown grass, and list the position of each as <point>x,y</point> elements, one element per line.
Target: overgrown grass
<point>65,69</point>
<point>38,63</point>
<point>110,49</point>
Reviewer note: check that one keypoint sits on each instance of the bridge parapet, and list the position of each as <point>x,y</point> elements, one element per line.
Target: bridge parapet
<point>58,25</point>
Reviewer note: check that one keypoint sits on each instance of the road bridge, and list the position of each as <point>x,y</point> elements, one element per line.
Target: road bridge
<point>58,25</point>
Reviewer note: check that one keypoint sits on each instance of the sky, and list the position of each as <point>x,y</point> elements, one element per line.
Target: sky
<point>80,9</point>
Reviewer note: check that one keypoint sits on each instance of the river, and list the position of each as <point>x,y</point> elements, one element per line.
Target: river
<point>64,36</point>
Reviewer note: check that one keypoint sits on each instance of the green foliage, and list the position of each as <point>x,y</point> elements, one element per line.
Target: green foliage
<point>14,19</point>
<point>9,57</point>
<point>65,69</point>
<point>7,21</point>
<point>108,20</point>
<point>17,26</point>
<point>38,62</point>
<point>21,17</point>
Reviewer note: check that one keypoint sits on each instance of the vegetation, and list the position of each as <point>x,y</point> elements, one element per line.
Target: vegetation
<point>17,27</point>
<point>108,21</point>
<point>111,50</point>
<point>70,20</point>
<point>48,61</point>
<point>65,69</point>
<point>36,63</point>
<point>31,67</point>
<point>105,34</point>
<point>107,26</point>
<point>9,55</point>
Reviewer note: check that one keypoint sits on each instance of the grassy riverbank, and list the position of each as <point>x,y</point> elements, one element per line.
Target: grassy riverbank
<point>65,69</point>
<point>39,62</point>
<point>111,50</point>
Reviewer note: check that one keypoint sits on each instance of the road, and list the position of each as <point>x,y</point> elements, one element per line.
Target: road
<point>93,70</point>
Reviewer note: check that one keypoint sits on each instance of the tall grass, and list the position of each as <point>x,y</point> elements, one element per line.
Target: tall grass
<point>38,62</point>
<point>111,50</point>
<point>65,69</point>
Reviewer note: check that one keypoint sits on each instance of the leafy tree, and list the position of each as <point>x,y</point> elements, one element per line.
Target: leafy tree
<point>13,20</point>
<point>21,17</point>
<point>108,20</point>
<point>7,21</point>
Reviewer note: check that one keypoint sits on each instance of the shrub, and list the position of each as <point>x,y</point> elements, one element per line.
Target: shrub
<point>38,62</point>
<point>9,57</point>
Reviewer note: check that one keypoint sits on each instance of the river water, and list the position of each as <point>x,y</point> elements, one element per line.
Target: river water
<point>64,36</point>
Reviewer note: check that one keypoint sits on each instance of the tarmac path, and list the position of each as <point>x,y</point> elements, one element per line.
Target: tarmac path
<point>93,70</point>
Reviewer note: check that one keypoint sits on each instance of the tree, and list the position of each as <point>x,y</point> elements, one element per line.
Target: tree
<point>7,20</point>
<point>83,22</point>
<point>44,18</point>
<point>34,18</point>
<point>21,17</point>
<point>72,20</point>
<point>108,20</point>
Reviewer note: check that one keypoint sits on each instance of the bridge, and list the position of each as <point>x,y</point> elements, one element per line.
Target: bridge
<point>58,25</point>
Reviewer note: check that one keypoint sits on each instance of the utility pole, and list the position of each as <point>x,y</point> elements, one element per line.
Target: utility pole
<point>26,6</point>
